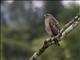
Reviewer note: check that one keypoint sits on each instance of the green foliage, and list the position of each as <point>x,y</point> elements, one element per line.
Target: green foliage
<point>21,42</point>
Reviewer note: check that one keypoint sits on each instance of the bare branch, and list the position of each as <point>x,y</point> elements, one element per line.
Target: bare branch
<point>72,24</point>
<point>63,32</point>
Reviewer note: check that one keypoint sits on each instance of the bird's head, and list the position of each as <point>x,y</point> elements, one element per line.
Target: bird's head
<point>47,15</point>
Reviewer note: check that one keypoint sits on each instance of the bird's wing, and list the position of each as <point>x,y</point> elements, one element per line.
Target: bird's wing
<point>53,28</point>
<point>56,22</point>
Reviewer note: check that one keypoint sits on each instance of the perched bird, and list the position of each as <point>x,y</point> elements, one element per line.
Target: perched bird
<point>51,25</point>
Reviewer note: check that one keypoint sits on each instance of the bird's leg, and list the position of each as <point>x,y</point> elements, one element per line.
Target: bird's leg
<point>56,41</point>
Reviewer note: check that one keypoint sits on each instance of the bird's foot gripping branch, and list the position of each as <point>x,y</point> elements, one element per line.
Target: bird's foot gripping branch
<point>63,32</point>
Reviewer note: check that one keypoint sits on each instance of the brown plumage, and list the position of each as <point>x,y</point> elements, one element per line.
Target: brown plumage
<point>51,26</point>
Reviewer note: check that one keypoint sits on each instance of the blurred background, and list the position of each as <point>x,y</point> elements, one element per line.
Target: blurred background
<point>23,32</point>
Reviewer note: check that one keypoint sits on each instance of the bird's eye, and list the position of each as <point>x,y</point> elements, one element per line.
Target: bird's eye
<point>47,15</point>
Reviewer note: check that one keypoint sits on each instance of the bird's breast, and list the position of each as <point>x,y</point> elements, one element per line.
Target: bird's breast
<point>47,27</point>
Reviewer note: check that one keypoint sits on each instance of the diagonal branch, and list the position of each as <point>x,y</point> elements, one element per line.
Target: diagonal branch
<point>63,32</point>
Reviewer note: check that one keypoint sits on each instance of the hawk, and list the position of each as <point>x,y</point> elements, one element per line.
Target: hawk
<point>52,26</point>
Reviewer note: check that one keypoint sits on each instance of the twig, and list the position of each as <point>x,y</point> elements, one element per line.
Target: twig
<point>63,32</point>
